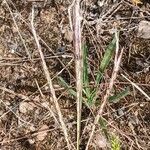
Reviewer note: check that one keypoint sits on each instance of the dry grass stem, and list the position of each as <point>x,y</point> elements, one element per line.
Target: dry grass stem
<point>70,14</point>
<point>5,141</point>
<point>136,86</point>
<point>12,92</point>
<point>113,77</point>
<point>50,82</point>
<point>78,62</point>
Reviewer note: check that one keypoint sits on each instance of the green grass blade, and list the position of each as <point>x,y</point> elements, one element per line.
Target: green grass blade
<point>91,94</point>
<point>65,85</point>
<point>70,91</point>
<point>103,125</point>
<point>103,65</point>
<point>116,98</point>
<point>106,59</point>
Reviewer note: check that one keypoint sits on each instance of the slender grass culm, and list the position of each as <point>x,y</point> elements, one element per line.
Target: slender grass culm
<point>78,63</point>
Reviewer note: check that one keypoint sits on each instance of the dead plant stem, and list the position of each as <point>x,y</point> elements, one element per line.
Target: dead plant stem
<point>50,82</point>
<point>113,77</point>
<point>79,64</point>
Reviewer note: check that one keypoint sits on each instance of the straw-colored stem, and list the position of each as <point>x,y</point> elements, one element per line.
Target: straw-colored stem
<point>79,65</point>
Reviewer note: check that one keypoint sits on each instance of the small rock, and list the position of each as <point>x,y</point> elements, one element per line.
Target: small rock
<point>144,29</point>
<point>69,35</point>
<point>120,112</point>
<point>24,107</point>
<point>100,141</point>
<point>42,133</point>
<point>31,141</point>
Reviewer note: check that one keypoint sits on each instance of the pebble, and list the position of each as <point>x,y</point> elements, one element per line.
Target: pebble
<point>144,29</point>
